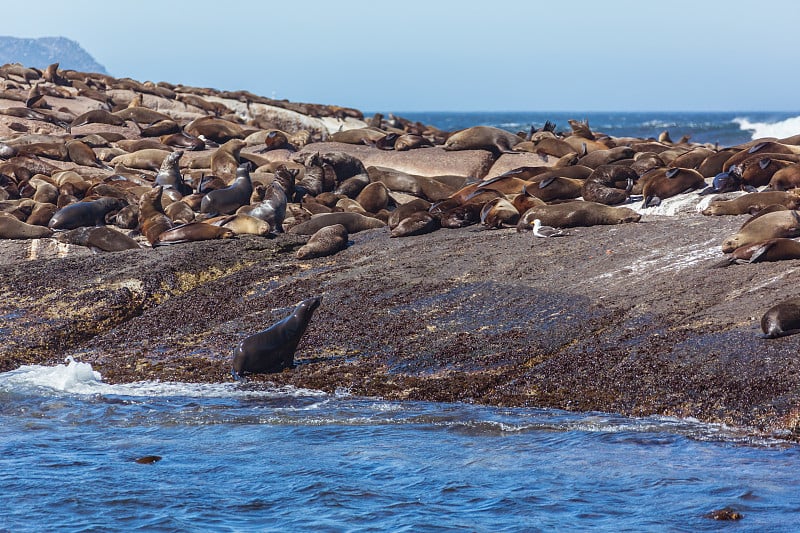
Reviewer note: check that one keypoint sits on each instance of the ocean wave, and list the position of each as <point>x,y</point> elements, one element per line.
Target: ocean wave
<point>81,379</point>
<point>778,129</point>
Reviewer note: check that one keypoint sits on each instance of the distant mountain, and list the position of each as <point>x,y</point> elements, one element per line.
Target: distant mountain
<point>43,51</point>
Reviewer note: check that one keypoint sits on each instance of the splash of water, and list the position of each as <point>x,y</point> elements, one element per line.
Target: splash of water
<point>778,129</point>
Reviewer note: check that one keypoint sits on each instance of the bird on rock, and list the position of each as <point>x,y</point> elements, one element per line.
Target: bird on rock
<point>546,231</point>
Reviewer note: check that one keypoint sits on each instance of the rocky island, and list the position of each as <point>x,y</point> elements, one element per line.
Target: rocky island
<point>647,306</point>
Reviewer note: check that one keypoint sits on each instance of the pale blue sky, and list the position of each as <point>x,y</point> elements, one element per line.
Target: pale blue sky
<point>412,55</point>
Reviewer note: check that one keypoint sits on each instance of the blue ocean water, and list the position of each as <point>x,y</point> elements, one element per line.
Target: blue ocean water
<point>725,128</point>
<point>239,458</point>
<point>234,458</point>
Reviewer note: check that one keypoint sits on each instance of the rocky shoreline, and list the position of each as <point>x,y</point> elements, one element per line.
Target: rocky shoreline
<point>626,318</point>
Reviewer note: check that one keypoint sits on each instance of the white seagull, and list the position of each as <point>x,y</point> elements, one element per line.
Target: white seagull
<point>546,231</point>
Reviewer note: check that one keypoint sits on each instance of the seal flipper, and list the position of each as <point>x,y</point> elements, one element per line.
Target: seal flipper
<point>760,251</point>
<point>237,376</point>
<point>545,182</point>
<point>728,261</point>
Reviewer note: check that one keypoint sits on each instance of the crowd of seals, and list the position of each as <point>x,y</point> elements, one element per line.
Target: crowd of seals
<point>163,163</point>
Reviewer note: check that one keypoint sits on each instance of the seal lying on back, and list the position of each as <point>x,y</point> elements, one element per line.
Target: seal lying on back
<point>273,349</point>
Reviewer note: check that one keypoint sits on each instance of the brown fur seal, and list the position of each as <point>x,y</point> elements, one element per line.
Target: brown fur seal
<point>358,136</point>
<point>605,157</point>
<point>782,319</point>
<point>225,160</point>
<point>179,212</point>
<point>81,154</point>
<point>663,183</point>
<point>752,203</point>
<point>273,349</point>
<point>786,178</point>
<point>406,210</point>
<point>410,141</point>
<point>499,213</point>
<point>395,180</point>
<point>417,223</point>
<point>354,223</point>
<point>97,116</point>
<point>147,159</point>
<point>141,115</point>
<point>609,184</point>
<point>182,140</point>
<point>41,214</point>
<point>242,224</point>
<point>169,174</point>
<point>779,249</point>
<point>554,188</point>
<point>13,228</point>
<point>226,201</point>
<point>272,209</point>
<point>127,217</point>
<point>100,238</point>
<point>757,171</point>
<point>215,129</point>
<point>46,193</point>
<point>373,197</point>
<point>191,232</point>
<point>87,213</point>
<point>768,226</point>
<point>488,138</point>
<point>579,213</point>
<point>161,128</point>
<point>152,219</point>
<point>327,241</point>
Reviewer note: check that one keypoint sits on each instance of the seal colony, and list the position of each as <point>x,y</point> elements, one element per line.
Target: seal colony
<point>277,175</point>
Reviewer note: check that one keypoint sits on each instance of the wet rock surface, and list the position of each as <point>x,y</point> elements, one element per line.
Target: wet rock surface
<point>624,318</point>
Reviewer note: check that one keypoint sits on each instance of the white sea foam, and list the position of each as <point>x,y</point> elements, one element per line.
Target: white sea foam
<point>81,379</point>
<point>779,129</point>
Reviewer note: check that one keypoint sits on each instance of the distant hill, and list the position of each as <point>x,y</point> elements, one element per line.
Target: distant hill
<point>43,51</point>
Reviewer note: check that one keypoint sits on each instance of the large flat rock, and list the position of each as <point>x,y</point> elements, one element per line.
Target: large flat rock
<point>627,318</point>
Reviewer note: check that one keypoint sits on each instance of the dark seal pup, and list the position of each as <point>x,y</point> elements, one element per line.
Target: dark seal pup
<point>272,350</point>
<point>782,319</point>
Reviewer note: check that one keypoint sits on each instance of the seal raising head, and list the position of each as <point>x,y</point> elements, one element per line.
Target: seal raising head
<point>272,350</point>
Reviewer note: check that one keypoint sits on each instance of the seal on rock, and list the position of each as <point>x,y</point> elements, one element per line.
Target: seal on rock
<point>272,209</point>
<point>577,213</point>
<point>191,232</point>
<point>13,228</point>
<point>609,184</point>
<point>495,140</point>
<point>273,349</point>
<point>779,249</point>
<point>782,319</point>
<point>663,183</point>
<point>152,219</point>
<point>227,200</point>
<point>354,222</point>
<point>761,228</point>
<point>752,202</point>
<point>327,241</point>
<point>87,213</point>
<point>169,175</point>
<point>417,223</point>
<point>100,238</point>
